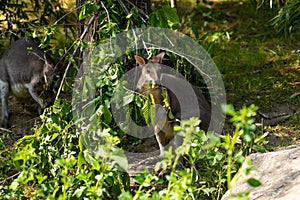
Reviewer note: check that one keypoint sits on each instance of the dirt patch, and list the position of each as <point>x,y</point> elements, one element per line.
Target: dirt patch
<point>22,119</point>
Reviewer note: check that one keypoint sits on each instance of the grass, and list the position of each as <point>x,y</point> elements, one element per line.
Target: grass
<point>258,66</point>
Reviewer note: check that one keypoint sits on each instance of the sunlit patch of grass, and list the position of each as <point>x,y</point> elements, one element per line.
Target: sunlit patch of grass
<point>265,79</point>
<point>252,70</point>
<point>258,67</point>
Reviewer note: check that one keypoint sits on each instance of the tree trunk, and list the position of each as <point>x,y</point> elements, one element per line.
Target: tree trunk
<point>173,3</point>
<point>85,26</point>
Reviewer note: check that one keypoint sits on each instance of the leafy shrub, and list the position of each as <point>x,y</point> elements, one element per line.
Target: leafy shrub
<point>64,161</point>
<point>54,164</point>
<point>211,162</point>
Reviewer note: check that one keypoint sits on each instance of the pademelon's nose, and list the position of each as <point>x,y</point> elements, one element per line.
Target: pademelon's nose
<point>138,90</point>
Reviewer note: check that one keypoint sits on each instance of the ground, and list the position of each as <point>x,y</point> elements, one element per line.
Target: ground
<point>22,119</point>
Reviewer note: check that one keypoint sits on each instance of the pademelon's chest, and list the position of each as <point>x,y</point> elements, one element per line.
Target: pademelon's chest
<point>19,90</point>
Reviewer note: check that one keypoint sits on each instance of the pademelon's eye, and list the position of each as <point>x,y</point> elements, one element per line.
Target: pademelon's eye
<point>148,71</point>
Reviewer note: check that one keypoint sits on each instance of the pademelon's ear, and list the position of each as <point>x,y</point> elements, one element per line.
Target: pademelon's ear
<point>141,61</point>
<point>158,58</point>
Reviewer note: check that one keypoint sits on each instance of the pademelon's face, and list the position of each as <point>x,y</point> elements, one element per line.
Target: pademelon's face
<point>150,72</point>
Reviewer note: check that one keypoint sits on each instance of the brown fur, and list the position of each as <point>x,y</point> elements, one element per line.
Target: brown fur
<point>151,72</point>
<point>164,128</point>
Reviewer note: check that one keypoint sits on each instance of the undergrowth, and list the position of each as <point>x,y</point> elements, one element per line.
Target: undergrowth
<point>81,158</point>
<point>54,163</point>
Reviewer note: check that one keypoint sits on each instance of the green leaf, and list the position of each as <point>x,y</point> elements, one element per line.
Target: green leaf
<point>228,109</point>
<point>152,20</point>
<point>120,158</point>
<point>14,185</point>
<point>54,136</point>
<point>88,9</point>
<point>79,191</point>
<point>106,114</point>
<point>171,16</point>
<point>212,142</point>
<point>146,112</point>
<point>80,142</point>
<point>116,189</point>
<point>92,161</point>
<point>160,16</point>
<point>253,182</point>
<point>125,195</point>
<point>81,161</point>
<point>128,99</point>
<point>247,137</point>
<point>88,89</point>
<point>138,101</point>
<point>195,31</point>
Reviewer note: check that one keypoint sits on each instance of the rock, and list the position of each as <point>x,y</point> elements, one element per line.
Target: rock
<point>279,173</point>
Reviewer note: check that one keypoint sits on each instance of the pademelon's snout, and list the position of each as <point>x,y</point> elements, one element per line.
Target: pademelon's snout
<point>137,90</point>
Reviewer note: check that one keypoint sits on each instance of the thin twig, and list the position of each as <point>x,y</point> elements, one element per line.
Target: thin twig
<point>74,53</point>
<point>12,176</point>
<point>140,10</point>
<point>6,130</point>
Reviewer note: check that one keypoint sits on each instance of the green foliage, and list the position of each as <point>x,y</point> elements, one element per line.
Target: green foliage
<point>287,20</point>
<point>37,19</point>
<point>180,184</point>
<point>88,9</point>
<point>208,167</point>
<point>111,18</point>
<point>270,3</point>
<point>165,17</point>
<point>58,163</point>
<point>54,164</point>
<point>244,130</point>
<point>244,123</point>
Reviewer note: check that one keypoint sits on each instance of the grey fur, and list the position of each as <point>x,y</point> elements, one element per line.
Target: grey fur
<point>24,68</point>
